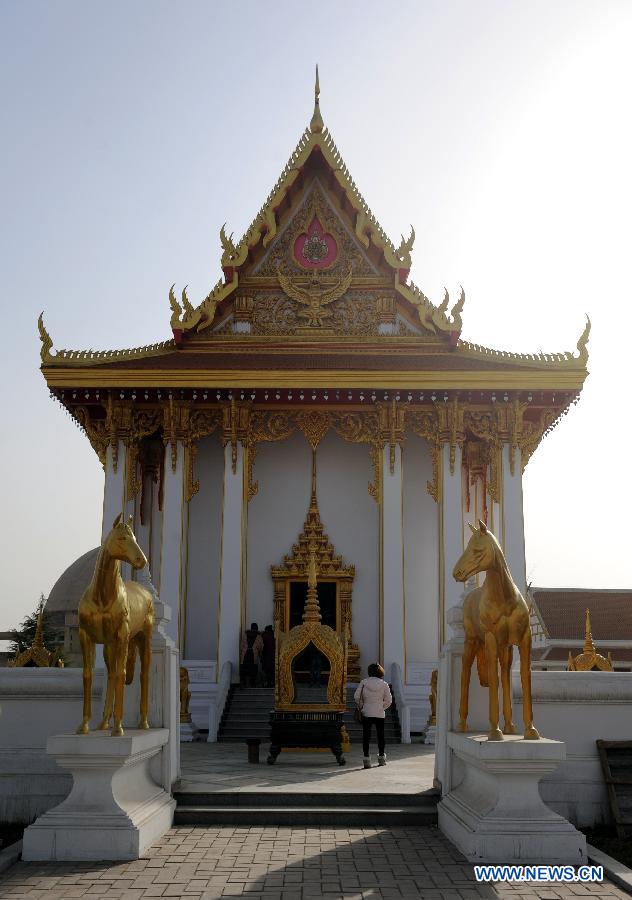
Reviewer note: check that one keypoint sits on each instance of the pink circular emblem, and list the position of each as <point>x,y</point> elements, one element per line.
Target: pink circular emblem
<point>315,248</point>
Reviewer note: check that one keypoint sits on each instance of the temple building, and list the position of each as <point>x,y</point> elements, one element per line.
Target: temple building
<point>315,395</point>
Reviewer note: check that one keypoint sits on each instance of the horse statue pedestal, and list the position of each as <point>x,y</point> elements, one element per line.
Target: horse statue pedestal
<point>495,814</point>
<point>117,807</point>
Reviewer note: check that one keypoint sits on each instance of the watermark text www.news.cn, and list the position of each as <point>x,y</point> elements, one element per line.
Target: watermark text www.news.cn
<point>538,873</point>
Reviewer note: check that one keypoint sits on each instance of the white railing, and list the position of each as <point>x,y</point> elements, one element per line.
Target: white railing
<point>218,703</point>
<point>397,683</point>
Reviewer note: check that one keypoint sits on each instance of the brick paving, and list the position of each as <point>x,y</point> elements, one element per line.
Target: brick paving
<point>287,864</point>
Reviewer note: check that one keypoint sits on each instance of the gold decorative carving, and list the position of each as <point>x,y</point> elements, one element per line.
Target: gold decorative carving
<point>274,314</point>
<point>315,296</point>
<point>356,314</point>
<point>331,644</point>
<point>201,423</point>
<point>45,338</point>
<point>295,566</point>
<point>175,428</point>
<point>353,427</point>
<point>37,654</point>
<point>316,205</point>
<point>185,695</point>
<point>386,309</point>
<point>451,427</point>
<point>475,463</point>
<point>391,428</point>
<point>589,659</point>
<point>425,424</point>
<point>582,343</point>
<point>191,484</point>
<point>244,306</point>
<point>483,424</point>
<point>486,612</point>
<point>314,426</point>
<point>533,432</point>
<point>142,424</point>
<point>129,609</point>
<point>229,251</point>
<point>403,252</point>
<point>235,427</point>
<point>97,431</point>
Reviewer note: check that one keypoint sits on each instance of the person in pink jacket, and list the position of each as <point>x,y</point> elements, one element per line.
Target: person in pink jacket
<point>373,697</point>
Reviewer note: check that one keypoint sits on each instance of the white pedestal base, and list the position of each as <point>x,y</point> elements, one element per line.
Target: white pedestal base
<point>495,814</point>
<point>188,732</point>
<point>115,809</point>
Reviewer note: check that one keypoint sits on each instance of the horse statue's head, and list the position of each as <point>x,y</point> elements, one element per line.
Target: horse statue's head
<point>121,543</point>
<point>479,555</point>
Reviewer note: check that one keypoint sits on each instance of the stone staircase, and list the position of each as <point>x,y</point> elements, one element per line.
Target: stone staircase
<point>282,808</point>
<point>247,713</point>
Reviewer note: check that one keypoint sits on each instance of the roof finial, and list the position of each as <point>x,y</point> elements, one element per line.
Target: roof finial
<point>317,124</point>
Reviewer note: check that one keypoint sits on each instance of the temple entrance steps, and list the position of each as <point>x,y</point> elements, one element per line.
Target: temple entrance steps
<point>247,712</point>
<point>363,810</point>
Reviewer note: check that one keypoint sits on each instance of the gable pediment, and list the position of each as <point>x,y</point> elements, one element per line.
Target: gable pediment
<point>315,238</point>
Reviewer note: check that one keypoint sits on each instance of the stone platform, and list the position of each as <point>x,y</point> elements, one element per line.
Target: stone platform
<point>116,807</point>
<point>225,767</point>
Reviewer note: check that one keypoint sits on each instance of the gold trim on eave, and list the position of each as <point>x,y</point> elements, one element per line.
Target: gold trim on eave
<point>558,380</point>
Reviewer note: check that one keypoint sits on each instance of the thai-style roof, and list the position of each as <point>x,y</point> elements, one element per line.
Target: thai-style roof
<point>264,285</point>
<point>563,612</point>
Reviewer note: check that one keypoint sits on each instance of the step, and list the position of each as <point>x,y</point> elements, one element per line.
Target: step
<point>304,799</point>
<point>324,816</point>
<point>263,727</point>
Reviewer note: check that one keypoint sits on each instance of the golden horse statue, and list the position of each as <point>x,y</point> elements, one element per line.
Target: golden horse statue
<point>120,615</point>
<point>495,619</point>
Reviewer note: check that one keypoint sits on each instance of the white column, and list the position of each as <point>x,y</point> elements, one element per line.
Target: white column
<point>393,624</point>
<point>450,532</point>
<point>173,544</point>
<point>512,539</point>
<point>114,488</point>
<point>232,562</point>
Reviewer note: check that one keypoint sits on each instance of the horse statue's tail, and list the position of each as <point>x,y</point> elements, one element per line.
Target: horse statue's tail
<point>130,664</point>
<point>481,666</point>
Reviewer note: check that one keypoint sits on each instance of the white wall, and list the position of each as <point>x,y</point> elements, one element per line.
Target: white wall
<point>275,518</point>
<point>204,540</point>
<point>578,708</point>
<point>351,519</point>
<point>35,704</point>
<point>350,516</point>
<point>421,555</point>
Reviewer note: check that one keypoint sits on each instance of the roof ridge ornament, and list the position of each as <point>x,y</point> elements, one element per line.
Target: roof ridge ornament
<point>403,252</point>
<point>45,338</point>
<point>582,343</point>
<point>316,125</point>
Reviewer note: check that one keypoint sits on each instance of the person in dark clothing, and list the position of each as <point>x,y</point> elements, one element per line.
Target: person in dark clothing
<point>267,656</point>
<point>251,647</point>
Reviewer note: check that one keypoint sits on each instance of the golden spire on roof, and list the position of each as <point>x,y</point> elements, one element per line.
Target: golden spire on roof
<point>317,124</point>
<point>589,659</point>
<point>37,654</point>
<point>589,647</point>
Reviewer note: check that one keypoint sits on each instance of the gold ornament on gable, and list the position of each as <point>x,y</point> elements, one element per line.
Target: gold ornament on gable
<point>315,205</point>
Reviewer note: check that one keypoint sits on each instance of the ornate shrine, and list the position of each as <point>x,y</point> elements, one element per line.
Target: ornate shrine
<point>314,545</point>
<point>315,329</point>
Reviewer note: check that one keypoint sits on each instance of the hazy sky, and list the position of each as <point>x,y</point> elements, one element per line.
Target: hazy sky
<point>132,130</point>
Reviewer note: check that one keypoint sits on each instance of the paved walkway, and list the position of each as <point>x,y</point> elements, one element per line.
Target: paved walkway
<point>285,864</point>
<point>225,767</point>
